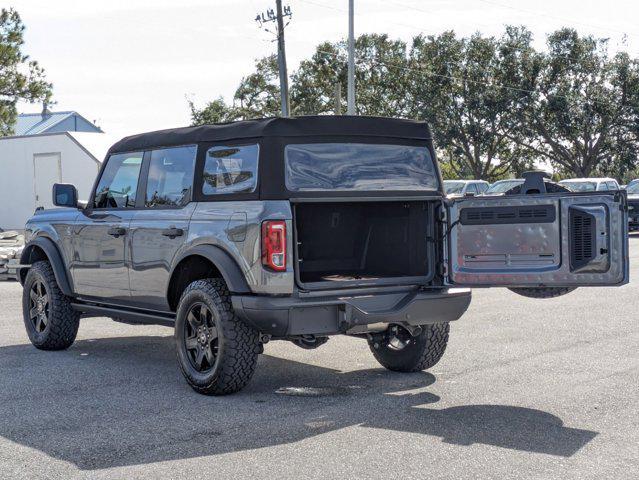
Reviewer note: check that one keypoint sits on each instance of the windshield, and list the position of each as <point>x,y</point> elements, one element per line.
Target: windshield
<point>358,166</point>
<point>633,188</point>
<point>503,186</point>
<point>453,186</point>
<point>580,186</point>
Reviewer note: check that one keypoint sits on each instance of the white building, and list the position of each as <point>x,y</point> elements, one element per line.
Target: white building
<point>31,164</point>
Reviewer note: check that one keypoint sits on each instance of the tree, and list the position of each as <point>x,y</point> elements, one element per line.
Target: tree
<point>380,78</point>
<point>20,78</point>
<point>257,96</point>
<point>381,84</point>
<point>462,87</point>
<point>580,112</point>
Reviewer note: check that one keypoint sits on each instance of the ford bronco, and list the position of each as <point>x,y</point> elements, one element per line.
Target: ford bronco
<point>298,229</point>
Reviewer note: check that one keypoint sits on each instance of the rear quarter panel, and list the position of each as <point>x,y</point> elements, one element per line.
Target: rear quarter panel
<point>234,226</point>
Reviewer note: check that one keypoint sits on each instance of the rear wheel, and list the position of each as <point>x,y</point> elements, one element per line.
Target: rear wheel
<point>51,322</point>
<point>397,350</point>
<point>216,351</point>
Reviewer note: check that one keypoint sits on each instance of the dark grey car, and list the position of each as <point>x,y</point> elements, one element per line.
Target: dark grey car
<point>298,229</point>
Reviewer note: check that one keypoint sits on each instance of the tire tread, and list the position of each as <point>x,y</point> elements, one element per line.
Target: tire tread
<point>64,321</point>
<point>241,343</point>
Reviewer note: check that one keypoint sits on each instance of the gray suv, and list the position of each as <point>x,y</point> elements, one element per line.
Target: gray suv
<point>299,229</point>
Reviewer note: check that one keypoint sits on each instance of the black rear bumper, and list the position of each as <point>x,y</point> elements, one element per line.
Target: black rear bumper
<point>287,316</point>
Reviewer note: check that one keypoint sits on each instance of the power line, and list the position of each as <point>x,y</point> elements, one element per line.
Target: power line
<point>554,17</point>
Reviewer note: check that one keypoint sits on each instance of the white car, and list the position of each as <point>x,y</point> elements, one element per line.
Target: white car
<point>464,188</point>
<point>590,184</point>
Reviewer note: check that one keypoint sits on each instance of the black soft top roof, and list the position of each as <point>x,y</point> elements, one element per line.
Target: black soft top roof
<point>323,125</point>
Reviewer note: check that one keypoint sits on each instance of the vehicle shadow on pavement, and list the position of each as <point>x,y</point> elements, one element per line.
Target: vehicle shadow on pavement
<point>121,401</point>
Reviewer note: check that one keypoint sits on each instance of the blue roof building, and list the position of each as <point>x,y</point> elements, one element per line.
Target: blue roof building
<point>52,122</point>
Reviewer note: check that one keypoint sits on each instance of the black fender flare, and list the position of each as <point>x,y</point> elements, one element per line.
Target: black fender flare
<point>55,259</point>
<point>230,270</point>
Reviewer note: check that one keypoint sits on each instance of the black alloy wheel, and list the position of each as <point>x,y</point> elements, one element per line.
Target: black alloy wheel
<point>216,351</point>
<point>48,314</point>
<point>201,337</point>
<point>39,306</point>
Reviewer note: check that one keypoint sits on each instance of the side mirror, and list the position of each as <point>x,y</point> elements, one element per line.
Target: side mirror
<point>65,195</point>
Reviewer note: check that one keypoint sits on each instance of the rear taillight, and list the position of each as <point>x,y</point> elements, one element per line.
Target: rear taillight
<point>274,245</point>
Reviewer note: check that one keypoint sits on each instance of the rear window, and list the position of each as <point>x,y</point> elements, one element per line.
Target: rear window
<point>503,186</point>
<point>230,169</point>
<point>358,166</point>
<point>451,186</point>
<point>580,186</point>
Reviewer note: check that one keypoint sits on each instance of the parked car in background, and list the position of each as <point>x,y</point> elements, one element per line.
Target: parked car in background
<point>502,186</point>
<point>463,188</point>
<point>633,205</point>
<point>630,184</point>
<point>590,184</point>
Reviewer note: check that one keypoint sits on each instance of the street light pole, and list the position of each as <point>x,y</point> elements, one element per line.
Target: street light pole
<point>351,59</point>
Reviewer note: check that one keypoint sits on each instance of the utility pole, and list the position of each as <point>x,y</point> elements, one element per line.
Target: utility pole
<point>351,58</point>
<point>278,17</point>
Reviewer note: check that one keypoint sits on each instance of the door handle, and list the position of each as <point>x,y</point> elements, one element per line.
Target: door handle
<point>116,231</point>
<point>173,232</point>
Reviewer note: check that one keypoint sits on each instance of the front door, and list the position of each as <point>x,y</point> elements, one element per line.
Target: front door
<point>561,239</point>
<point>101,233</point>
<point>160,228</point>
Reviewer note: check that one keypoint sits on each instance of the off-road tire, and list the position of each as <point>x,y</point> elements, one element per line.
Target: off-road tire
<point>542,292</point>
<point>238,343</point>
<point>62,320</point>
<point>422,353</point>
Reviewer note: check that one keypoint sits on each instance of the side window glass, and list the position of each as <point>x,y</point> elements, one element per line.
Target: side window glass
<point>119,181</point>
<point>602,187</point>
<point>230,169</point>
<point>170,177</point>
<point>612,186</point>
<point>471,188</point>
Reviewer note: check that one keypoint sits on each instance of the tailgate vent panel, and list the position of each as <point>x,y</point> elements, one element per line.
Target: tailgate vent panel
<point>507,215</point>
<point>583,242</point>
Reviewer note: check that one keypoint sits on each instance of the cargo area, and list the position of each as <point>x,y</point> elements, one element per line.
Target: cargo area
<point>363,241</point>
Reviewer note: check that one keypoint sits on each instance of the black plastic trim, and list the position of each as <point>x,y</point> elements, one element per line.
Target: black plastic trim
<point>126,315</point>
<point>508,215</point>
<point>55,259</point>
<point>231,272</point>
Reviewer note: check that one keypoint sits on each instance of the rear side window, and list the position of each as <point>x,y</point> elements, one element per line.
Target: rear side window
<point>229,169</point>
<point>119,181</point>
<point>358,167</point>
<point>170,177</point>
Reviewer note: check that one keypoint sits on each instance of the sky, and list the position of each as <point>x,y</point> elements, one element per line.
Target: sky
<point>131,65</point>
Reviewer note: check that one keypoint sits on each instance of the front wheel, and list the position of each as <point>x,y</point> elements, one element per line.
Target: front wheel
<point>397,350</point>
<point>216,351</point>
<point>50,320</point>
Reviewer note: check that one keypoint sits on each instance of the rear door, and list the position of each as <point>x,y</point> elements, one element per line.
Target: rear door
<point>160,224</point>
<point>562,239</point>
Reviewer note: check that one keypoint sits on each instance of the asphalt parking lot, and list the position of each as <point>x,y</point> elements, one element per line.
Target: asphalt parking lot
<point>528,388</point>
